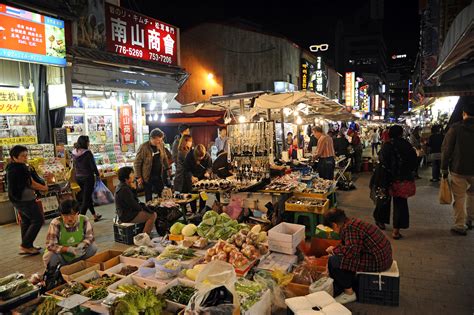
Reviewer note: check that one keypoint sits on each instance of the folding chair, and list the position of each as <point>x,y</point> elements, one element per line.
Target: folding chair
<point>341,167</point>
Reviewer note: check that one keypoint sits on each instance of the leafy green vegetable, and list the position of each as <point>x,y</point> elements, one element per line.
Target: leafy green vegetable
<point>138,301</point>
<point>96,293</point>
<point>177,252</point>
<point>176,228</point>
<point>216,226</point>
<point>249,292</point>
<point>180,294</point>
<point>48,307</point>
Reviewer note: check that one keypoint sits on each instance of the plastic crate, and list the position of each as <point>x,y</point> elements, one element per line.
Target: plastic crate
<point>125,232</point>
<point>380,288</point>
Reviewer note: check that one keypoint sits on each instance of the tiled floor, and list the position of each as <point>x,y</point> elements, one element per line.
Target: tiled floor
<point>436,268</point>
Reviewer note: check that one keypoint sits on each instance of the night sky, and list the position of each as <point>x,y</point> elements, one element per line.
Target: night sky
<point>305,23</point>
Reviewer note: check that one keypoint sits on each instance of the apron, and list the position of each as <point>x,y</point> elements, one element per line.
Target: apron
<point>71,238</point>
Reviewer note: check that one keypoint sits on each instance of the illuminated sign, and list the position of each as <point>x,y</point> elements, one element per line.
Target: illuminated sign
<point>376,105</point>
<point>12,103</point>
<point>350,88</point>
<point>31,37</point>
<point>138,36</point>
<point>364,98</point>
<point>320,76</point>
<point>399,56</point>
<point>308,75</point>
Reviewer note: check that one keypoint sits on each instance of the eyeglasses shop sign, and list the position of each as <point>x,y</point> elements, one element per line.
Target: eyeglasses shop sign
<point>134,35</point>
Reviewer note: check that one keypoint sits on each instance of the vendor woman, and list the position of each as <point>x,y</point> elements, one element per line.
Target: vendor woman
<point>363,248</point>
<point>70,237</point>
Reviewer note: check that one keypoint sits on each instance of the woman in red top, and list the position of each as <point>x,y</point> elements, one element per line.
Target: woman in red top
<point>363,247</point>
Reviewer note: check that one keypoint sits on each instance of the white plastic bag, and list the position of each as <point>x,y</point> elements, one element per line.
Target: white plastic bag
<point>216,274</point>
<point>323,284</point>
<point>142,239</point>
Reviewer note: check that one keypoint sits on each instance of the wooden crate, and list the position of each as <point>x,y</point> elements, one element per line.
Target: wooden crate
<point>307,208</point>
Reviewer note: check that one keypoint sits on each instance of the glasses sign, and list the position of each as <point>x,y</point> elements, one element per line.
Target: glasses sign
<point>322,47</point>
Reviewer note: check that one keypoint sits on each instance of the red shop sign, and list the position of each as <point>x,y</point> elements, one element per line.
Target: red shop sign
<point>126,124</point>
<point>138,36</point>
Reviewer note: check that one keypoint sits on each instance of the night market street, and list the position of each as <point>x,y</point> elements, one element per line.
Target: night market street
<point>435,266</point>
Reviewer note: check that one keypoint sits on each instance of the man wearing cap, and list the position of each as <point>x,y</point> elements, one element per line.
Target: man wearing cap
<point>183,130</point>
<point>151,164</point>
<point>457,155</point>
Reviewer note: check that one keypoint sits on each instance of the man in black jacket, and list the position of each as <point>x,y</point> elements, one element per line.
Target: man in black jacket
<point>128,208</point>
<point>458,154</point>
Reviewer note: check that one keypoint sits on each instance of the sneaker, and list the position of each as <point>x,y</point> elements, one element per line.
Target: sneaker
<point>459,231</point>
<point>345,298</point>
<point>469,224</point>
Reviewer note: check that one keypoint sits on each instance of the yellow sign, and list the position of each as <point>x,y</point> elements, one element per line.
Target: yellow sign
<point>11,102</point>
<point>18,140</point>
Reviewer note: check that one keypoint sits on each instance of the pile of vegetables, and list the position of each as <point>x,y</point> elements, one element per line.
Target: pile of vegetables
<point>70,289</point>
<point>48,307</point>
<point>143,252</point>
<point>14,288</point>
<point>241,248</point>
<point>137,301</point>
<point>249,292</point>
<point>177,252</point>
<point>216,226</point>
<point>96,293</point>
<point>125,271</point>
<point>193,273</point>
<point>103,281</point>
<point>180,229</point>
<point>180,294</point>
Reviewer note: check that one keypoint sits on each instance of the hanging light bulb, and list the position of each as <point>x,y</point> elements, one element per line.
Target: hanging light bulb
<point>155,117</point>
<point>152,104</point>
<point>299,120</point>
<point>242,119</point>
<point>287,111</point>
<point>295,113</point>
<point>31,87</point>
<point>150,118</point>
<point>83,95</point>
<point>261,119</point>
<point>21,90</point>
<point>163,118</point>
<point>164,105</point>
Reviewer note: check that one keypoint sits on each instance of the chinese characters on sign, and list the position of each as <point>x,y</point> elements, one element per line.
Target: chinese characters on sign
<point>126,124</point>
<point>12,103</point>
<point>350,88</point>
<point>134,35</point>
<point>31,37</point>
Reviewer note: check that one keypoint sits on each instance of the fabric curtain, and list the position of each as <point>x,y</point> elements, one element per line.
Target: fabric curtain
<point>43,122</point>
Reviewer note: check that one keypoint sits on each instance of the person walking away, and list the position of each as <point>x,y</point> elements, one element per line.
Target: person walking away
<point>197,166</point>
<point>375,140</point>
<point>325,154</point>
<point>415,140</point>
<point>85,169</point>
<point>385,136</point>
<point>363,248</point>
<point>341,145</point>
<point>434,144</point>
<point>128,207</point>
<point>457,156</point>
<point>399,159</point>
<point>357,145</point>
<point>70,237</point>
<point>151,164</point>
<point>22,183</point>
<point>183,130</point>
<point>185,145</point>
<point>222,141</point>
<point>313,142</point>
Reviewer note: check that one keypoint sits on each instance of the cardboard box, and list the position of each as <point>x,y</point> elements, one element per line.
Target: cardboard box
<point>141,282</point>
<point>75,270</point>
<point>103,258</point>
<point>285,237</point>
<point>117,268</point>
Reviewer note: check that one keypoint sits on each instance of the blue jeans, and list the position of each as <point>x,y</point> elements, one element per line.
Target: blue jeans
<point>435,169</point>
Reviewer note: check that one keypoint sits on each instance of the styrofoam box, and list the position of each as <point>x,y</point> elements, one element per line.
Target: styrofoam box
<point>131,261</point>
<point>141,282</point>
<point>302,305</point>
<point>285,237</point>
<point>262,307</point>
<point>170,305</point>
<point>93,275</point>
<point>117,268</point>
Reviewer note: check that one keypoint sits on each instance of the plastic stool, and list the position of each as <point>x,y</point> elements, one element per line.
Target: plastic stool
<point>313,219</point>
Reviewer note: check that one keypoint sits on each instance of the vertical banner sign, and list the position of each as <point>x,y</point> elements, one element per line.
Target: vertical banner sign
<point>350,88</point>
<point>304,75</point>
<point>126,124</point>
<point>138,36</point>
<point>308,76</point>
<point>320,76</point>
<point>31,37</point>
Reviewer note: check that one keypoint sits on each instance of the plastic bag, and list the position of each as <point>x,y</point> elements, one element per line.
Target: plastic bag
<point>278,297</point>
<point>445,195</point>
<point>215,275</point>
<point>234,209</point>
<point>167,268</point>
<point>142,239</point>
<point>306,274</point>
<point>101,195</point>
<point>323,284</point>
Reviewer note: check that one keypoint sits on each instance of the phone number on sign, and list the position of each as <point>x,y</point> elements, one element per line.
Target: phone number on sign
<point>133,52</point>
<point>160,58</point>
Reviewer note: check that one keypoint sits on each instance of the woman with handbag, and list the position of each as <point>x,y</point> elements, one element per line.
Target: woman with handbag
<point>399,159</point>
<point>85,169</point>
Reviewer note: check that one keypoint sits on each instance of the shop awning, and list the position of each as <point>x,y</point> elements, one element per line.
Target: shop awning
<point>459,42</point>
<point>449,90</point>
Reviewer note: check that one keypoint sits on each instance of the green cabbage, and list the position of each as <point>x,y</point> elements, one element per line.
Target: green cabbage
<point>177,228</point>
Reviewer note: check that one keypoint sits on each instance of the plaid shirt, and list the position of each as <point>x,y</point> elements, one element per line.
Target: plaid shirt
<point>52,238</point>
<point>363,247</point>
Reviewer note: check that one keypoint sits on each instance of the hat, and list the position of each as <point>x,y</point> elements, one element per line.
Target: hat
<point>183,127</point>
<point>468,106</point>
